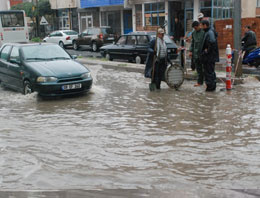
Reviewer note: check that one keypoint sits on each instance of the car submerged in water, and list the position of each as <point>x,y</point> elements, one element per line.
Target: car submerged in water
<point>44,68</point>
<point>133,47</point>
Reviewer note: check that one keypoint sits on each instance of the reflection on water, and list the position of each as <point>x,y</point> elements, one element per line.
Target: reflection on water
<point>121,136</point>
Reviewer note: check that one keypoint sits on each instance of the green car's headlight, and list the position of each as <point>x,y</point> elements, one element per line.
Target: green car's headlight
<point>86,75</point>
<point>43,79</point>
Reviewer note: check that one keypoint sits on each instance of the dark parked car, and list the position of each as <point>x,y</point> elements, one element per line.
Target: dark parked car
<point>95,38</point>
<point>45,68</point>
<point>133,47</point>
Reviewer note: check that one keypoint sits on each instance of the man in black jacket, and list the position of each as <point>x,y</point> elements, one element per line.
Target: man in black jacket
<point>249,41</point>
<point>209,55</point>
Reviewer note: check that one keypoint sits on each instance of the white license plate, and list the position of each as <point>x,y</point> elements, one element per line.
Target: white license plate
<point>110,38</point>
<point>71,86</point>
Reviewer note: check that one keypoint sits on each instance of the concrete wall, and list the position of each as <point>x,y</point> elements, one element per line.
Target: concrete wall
<point>248,8</point>
<point>4,4</point>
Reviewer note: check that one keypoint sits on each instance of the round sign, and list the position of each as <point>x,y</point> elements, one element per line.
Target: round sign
<point>174,76</point>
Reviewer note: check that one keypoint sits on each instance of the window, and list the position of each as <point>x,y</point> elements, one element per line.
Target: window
<point>258,3</point>
<point>121,40</point>
<point>5,52</point>
<point>131,40</point>
<point>139,15</point>
<point>15,54</point>
<point>154,14</point>
<point>12,20</point>
<point>142,40</point>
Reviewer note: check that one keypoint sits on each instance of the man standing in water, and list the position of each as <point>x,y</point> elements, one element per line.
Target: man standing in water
<point>160,53</point>
<point>195,50</point>
<point>209,55</point>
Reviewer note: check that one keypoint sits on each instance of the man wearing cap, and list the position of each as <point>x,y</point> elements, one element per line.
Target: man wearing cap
<point>159,51</point>
<point>195,50</point>
<point>200,17</point>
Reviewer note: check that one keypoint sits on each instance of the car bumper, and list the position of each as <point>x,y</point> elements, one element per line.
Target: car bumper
<point>68,42</point>
<point>55,89</point>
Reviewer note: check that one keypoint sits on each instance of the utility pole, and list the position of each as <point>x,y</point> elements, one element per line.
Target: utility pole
<point>237,37</point>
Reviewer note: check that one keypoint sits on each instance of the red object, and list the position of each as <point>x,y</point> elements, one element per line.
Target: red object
<point>15,2</point>
<point>2,36</point>
<point>101,36</point>
<point>68,38</point>
<point>228,68</point>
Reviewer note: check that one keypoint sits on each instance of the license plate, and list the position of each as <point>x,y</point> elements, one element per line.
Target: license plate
<point>110,38</point>
<point>71,86</point>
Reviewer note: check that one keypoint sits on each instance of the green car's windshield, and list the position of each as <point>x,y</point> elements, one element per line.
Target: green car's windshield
<point>44,52</point>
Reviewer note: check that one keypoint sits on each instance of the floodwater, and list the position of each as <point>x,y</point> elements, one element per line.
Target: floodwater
<point>122,136</point>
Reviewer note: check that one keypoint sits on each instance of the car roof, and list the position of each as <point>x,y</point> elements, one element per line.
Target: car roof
<point>28,44</point>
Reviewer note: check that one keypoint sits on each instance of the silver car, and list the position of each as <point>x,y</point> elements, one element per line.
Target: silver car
<point>62,37</point>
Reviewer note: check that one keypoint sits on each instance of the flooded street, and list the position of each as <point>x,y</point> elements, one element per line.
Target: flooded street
<point>122,136</point>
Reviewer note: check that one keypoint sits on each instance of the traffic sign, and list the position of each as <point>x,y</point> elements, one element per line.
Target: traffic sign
<point>43,21</point>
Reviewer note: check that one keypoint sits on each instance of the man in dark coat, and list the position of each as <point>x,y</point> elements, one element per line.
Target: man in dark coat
<point>209,55</point>
<point>249,40</point>
<point>195,50</point>
<point>159,51</point>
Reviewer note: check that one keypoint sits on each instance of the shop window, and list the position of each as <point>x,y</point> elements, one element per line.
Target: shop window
<point>154,14</point>
<point>258,4</point>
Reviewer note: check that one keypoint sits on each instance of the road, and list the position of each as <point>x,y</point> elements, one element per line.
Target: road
<point>165,143</point>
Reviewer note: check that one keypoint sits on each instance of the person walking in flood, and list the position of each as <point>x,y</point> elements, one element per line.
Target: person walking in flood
<point>249,40</point>
<point>157,49</point>
<point>209,55</point>
<point>195,50</point>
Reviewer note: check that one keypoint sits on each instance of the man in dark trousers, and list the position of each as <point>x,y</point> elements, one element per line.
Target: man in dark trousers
<point>159,51</point>
<point>249,40</point>
<point>195,50</point>
<point>209,55</point>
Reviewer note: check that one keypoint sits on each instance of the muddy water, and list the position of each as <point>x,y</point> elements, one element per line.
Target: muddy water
<point>121,136</point>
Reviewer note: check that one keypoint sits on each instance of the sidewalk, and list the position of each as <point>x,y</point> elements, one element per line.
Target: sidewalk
<point>139,68</point>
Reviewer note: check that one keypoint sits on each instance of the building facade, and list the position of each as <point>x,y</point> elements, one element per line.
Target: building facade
<point>110,13</point>
<point>15,2</point>
<point>67,15</point>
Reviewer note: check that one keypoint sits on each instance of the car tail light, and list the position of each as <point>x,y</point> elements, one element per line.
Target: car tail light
<point>2,36</point>
<point>101,36</point>
<point>68,38</point>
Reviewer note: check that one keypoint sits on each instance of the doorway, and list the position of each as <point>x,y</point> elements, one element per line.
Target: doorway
<point>128,23</point>
<point>176,20</point>
<point>86,22</point>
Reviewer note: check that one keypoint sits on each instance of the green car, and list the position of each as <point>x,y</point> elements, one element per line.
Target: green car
<point>44,68</point>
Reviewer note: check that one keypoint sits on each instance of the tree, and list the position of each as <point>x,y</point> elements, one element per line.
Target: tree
<point>44,8</point>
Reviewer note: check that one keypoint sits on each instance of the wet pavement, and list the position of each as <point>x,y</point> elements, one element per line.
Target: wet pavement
<point>122,136</point>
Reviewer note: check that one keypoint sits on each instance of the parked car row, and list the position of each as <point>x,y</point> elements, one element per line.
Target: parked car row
<point>91,37</point>
<point>132,47</point>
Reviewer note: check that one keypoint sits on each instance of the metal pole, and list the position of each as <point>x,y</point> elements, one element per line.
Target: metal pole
<point>237,36</point>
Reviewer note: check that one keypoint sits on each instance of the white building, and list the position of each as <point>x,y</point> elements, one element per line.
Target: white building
<point>4,5</point>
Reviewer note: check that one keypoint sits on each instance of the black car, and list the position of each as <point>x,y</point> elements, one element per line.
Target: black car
<point>95,38</point>
<point>45,68</point>
<point>133,47</point>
